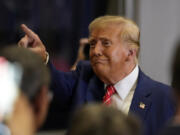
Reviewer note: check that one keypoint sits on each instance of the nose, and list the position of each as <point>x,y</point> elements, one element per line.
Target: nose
<point>97,50</point>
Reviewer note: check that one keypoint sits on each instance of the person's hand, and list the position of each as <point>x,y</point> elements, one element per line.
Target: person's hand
<point>81,56</point>
<point>32,41</point>
<point>83,41</point>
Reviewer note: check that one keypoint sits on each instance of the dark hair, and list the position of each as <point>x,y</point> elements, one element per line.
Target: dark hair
<point>98,119</point>
<point>35,73</point>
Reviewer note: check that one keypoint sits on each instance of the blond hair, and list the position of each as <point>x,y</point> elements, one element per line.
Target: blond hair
<point>129,31</point>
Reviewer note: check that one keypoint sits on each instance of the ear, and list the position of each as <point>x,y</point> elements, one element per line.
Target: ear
<point>41,106</point>
<point>131,54</point>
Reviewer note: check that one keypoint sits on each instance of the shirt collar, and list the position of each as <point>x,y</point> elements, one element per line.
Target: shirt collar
<point>124,86</point>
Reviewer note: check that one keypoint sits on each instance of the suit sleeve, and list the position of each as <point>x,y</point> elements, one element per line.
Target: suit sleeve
<point>62,84</point>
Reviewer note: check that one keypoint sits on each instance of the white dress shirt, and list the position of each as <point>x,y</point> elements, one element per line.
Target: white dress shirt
<point>125,90</point>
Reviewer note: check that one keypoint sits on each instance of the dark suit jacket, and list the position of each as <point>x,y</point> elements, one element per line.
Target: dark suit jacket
<point>73,89</point>
<point>172,128</point>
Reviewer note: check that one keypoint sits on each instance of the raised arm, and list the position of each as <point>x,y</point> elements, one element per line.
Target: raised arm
<point>32,41</point>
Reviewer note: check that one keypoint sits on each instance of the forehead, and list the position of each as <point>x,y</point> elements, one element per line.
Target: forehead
<point>109,32</point>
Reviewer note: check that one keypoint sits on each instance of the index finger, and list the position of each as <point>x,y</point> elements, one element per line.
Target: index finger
<point>28,31</point>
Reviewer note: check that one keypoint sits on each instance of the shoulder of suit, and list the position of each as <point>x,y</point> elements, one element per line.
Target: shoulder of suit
<point>84,69</point>
<point>153,84</point>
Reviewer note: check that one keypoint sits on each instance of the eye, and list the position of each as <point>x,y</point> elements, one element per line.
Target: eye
<point>92,43</point>
<point>106,43</point>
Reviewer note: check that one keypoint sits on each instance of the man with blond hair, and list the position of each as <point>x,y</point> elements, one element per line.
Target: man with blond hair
<point>112,76</point>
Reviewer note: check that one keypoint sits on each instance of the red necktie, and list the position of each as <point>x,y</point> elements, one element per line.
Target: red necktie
<point>107,97</point>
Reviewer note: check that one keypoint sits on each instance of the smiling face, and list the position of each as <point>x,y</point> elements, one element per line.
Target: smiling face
<point>109,55</point>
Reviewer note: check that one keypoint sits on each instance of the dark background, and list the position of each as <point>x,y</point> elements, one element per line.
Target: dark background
<point>59,23</point>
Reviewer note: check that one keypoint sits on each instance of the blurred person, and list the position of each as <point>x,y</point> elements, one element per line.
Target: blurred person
<point>173,127</point>
<point>9,91</point>
<point>98,119</point>
<point>31,107</point>
<point>114,50</point>
<point>10,80</point>
<point>83,52</point>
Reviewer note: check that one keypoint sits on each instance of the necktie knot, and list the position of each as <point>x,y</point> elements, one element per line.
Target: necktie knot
<point>110,90</point>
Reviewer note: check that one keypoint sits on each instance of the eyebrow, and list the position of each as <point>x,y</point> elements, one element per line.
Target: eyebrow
<point>104,38</point>
<point>101,38</point>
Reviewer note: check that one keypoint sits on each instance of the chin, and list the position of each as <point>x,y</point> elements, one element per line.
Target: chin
<point>100,70</point>
<point>99,67</point>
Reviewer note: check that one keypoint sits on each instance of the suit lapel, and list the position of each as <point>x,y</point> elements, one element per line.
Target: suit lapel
<point>141,101</point>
